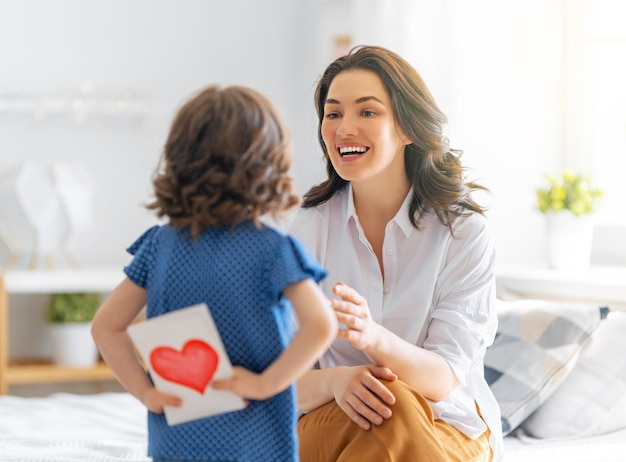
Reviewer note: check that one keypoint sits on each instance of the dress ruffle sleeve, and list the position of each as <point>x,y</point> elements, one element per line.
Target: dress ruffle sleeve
<point>293,262</point>
<point>143,251</point>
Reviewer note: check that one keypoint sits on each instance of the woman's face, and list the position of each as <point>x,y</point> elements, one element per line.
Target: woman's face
<point>359,129</point>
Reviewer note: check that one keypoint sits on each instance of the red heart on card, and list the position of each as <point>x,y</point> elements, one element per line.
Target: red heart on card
<point>193,367</point>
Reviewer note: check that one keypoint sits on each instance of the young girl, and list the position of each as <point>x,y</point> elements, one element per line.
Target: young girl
<point>396,223</point>
<point>225,164</point>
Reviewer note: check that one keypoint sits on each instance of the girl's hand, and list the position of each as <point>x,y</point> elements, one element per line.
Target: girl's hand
<point>244,383</point>
<point>155,400</point>
<point>353,312</point>
<point>361,394</point>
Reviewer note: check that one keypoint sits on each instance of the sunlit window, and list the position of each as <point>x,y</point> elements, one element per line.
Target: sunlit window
<point>596,81</point>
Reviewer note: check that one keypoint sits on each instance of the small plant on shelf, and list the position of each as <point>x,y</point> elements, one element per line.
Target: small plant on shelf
<point>72,307</point>
<point>69,317</point>
<point>569,191</point>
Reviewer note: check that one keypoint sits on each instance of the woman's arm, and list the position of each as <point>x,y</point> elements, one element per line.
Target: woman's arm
<point>109,325</point>
<point>425,371</point>
<point>317,329</point>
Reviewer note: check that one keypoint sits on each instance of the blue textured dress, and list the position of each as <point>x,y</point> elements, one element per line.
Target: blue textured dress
<point>240,274</point>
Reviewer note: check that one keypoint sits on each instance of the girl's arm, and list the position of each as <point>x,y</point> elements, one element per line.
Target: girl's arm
<point>317,329</point>
<point>108,329</point>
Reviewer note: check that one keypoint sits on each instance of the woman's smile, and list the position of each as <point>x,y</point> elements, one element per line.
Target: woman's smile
<point>351,151</point>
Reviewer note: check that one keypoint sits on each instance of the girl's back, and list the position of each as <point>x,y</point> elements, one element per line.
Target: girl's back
<point>239,273</point>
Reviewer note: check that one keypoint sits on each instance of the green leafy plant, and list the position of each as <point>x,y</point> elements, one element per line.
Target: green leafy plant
<point>569,191</point>
<point>72,307</point>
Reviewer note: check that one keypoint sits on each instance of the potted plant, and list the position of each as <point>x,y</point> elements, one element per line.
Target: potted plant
<point>69,317</point>
<point>568,202</point>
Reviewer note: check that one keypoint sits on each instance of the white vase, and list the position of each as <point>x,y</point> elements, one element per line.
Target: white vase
<point>72,344</point>
<point>569,240</point>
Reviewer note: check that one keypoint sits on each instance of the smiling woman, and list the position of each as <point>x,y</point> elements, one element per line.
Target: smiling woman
<point>397,228</point>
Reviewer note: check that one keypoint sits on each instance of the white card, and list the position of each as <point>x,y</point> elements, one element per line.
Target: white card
<point>184,354</point>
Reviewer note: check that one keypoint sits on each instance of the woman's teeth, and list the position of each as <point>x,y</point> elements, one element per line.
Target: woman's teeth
<point>352,151</point>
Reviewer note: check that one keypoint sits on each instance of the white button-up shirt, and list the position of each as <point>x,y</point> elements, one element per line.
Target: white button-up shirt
<point>438,293</point>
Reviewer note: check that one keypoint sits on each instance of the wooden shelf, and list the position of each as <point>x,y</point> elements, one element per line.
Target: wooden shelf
<point>25,372</point>
<point>14,372</point>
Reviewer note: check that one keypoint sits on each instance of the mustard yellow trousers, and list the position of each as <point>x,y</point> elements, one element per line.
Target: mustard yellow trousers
<point>327,434</point>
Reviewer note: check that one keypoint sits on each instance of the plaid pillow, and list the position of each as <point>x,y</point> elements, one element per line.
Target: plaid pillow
<point>536,347</point>
<point>592,400</point>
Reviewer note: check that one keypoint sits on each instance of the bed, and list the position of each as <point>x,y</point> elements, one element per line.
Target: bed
<point>111,426</point>
<point>558,371</point>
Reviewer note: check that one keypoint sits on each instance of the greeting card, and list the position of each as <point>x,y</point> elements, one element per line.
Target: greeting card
<point>184,353</point>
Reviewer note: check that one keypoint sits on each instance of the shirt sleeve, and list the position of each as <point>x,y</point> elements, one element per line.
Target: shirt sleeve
<point>463,322</point>
<point>143,251</point>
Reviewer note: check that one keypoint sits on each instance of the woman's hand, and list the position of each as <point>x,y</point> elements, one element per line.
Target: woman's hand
<point>155,400</point>
<point>353,312</point>
<point>361,394</point>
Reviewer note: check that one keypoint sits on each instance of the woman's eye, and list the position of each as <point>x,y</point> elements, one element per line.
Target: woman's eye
<point>369,113</point>
<point>332,115</point>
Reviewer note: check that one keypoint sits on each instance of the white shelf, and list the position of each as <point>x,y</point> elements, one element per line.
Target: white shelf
<point>62,280</point>
<point>79,105</point>
<point>605,285</point>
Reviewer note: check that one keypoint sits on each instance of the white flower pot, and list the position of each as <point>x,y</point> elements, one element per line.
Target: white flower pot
<point>72,344</point>
<point>569,240</point>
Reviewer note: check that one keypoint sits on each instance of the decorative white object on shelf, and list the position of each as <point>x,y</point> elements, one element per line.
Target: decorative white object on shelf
<point>8,250</point>
<point>37,195</point>
<point>74,187</point>
<point>570,239</point>
<point>49,208</point>
<point>17,229</point>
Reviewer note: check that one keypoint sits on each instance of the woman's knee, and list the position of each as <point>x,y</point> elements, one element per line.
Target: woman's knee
<point>409,403</point>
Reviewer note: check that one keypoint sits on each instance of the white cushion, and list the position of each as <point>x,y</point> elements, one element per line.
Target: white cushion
<point>592,399</point>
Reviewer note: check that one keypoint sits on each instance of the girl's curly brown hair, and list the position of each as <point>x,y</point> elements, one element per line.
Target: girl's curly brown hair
<point>226,160</point>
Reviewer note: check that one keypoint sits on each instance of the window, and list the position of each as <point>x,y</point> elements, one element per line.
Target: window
<point>595,101</point>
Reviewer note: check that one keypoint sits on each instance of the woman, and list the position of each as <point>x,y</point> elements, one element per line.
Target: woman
<point>396,224</point>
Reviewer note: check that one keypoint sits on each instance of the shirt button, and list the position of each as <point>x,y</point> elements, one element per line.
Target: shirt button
<point>386,290</point>
<point>389,252</point>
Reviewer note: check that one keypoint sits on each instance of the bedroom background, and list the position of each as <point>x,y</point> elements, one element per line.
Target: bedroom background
<point>529,88</point>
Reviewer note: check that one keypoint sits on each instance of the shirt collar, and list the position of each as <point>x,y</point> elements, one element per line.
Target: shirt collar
<point>401,218</point>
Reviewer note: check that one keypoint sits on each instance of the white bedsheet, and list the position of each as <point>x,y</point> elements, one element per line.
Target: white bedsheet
<point>610,447</point>
<point>65,427</point>
<point>110,427</point>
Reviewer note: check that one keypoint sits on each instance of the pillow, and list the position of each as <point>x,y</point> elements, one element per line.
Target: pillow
<point>537,345</point>
<point>592,400</point>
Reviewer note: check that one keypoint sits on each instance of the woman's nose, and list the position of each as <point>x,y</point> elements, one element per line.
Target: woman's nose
<point>346,127</point>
